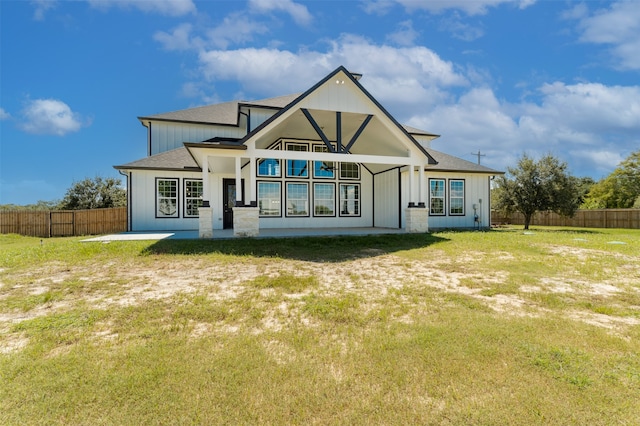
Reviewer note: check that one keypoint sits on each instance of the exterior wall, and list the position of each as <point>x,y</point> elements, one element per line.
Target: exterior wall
<point>166,136</point>
<point>259,116</point>
<point>476,192</point>
<point>143,202</point>
<point>387,199</point>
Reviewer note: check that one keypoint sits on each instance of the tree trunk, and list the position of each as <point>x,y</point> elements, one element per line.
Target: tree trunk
<point>527,221</point>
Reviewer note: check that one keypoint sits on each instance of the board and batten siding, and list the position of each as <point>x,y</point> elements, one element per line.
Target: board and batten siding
<point>387,199</point>
<point>166,136</point>
<point>143,202</point>
<point>476,189</point>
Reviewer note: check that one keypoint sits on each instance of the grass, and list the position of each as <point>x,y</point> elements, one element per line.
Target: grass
<point>494,327</point>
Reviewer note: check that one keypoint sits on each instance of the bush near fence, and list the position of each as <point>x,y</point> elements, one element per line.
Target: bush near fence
<point>604,218</point>
<point>63,223</point>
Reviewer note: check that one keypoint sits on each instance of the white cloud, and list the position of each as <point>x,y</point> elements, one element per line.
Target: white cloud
<point>618,27</point>
<point>41,7</point>
<point>405,35</point>
<point>50,116</point>
<point>589,125</point>
<point>470,7</point>
<point>299,13</point>
<point>179,39</point>
<point>236,28</point>
<point>163,7</point>
<point>4,115</point>
<point>418,73</point>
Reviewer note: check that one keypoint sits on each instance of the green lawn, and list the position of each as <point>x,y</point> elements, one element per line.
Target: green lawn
<point>490,328</point>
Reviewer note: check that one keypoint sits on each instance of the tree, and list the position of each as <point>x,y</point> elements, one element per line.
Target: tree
<point>94,194</point>
<point>537,186</point>
<point>619,190</point>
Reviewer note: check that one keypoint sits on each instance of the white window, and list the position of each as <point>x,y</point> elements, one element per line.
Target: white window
<point>456,197</point>
<point>269,198</point>
<point>323,169</point>
<point>297,168</point>
<point>324,199</point>
<point>193,191</point>
<point>349,199</point>
<point>436,197</point>
<point>297,199</point>
<point>349,171</point>
<point>167,197</point>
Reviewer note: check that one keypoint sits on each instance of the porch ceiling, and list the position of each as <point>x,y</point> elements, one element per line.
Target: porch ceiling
<point>376,139</point>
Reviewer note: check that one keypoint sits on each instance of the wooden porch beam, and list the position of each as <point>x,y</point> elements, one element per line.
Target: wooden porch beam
<point>358,133</point>
<point>318,130</point>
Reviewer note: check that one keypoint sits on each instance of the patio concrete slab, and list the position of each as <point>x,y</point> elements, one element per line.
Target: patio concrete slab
<point>220,234</point>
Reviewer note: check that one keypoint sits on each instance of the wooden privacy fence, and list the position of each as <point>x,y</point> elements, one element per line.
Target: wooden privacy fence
<point>63,223</point>
<point>605,218</point>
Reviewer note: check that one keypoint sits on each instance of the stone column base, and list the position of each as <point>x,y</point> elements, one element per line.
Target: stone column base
<point>246,221</point>
<point>205,222</point>
<point>416,219</point>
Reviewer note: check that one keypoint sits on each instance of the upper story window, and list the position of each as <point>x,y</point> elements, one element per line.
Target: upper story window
<point>297,168</point>
<point>349,171</point>
<point>323,169</point>
<point>269,167</point>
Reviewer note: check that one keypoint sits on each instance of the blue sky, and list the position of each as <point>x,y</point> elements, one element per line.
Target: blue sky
<point>503,77</point>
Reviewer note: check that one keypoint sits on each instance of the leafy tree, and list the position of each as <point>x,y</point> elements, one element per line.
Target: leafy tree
<point>619,190</point>
<point>537,186</point>
<point>94,194</point>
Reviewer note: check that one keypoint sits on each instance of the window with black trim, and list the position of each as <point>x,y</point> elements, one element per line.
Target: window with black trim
<point>349,171</point>
<point>456,197</point>
<point>297,168</point>
<point>193,190</point>
<point>436,197</point>
<point>167,198</point>
<point>297,199</point>
<point>349,199</point>
<point>323,169</point>
<point>269,196</point>
<point>269,167</point>
<point>324,199</point>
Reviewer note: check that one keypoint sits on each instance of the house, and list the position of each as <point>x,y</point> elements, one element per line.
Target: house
<point>327,158</point>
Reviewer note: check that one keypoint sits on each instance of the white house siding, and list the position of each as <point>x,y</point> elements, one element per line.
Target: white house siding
<point>337,97</point>
<point>143,202</point>
<point>168,136</point>
<point>387,199</point>
<point>259,116</point>
<point>476,192</point>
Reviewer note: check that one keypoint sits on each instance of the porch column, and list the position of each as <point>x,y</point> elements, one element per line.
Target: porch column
<point>253,197</point>
<point>238,180</point>
<point>422,185</point>
<point>205,213</point>
<point>206,195</point>
<point>412,179</point>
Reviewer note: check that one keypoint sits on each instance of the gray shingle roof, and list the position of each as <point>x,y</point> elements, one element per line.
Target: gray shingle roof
<point>176,159</point>
<point>449,163</point>
<point>224,113</point>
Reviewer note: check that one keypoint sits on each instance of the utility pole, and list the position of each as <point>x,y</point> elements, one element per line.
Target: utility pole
<point>477,154</point>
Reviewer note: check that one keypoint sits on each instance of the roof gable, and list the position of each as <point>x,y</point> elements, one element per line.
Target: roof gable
<point>339,92</point>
